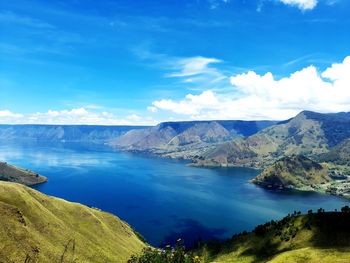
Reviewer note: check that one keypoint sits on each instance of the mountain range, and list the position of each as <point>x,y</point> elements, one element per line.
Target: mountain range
<point>186,139</point>
<point>63,133</point>
<point>309,133</point>
<point>322,138</point>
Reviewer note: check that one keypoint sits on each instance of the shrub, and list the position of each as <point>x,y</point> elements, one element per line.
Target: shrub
<point>176,254</point>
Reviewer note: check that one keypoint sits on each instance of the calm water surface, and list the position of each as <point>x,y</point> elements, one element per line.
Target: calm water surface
<point>162,199</point>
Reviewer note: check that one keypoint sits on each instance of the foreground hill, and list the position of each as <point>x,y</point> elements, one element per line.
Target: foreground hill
<point>18,175</point>
<point>38,228</point>
<point>68,133</point>
<point>316,237</point>
<point>294,171</point>
<point>183,139</point>
<point>309,133</point>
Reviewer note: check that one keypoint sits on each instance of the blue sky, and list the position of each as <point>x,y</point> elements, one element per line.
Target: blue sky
<point>141,62</point>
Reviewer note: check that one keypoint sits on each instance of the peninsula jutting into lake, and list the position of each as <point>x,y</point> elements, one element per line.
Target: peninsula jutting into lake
<point>188,131</point>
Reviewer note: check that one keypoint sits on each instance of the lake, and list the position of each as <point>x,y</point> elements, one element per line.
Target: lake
<point>162,199</point>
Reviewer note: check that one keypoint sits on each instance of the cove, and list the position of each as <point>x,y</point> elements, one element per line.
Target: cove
<point>162,199</point>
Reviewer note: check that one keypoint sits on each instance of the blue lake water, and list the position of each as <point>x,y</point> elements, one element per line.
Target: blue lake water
<point>162,199</point>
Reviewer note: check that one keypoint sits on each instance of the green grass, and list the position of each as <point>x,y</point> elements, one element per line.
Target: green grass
<point>317,237</point>
<point>40,228</point>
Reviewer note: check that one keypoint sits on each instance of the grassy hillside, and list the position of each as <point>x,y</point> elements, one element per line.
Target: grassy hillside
<point>309,134</point>
<point>294,171</point>
<point>340,154</point>
<point>316,237</point>
<point>18,175</point>
<point>38,228</point>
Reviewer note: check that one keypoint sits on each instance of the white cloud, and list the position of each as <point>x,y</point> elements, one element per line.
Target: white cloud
<point>152,109</point>
<point>301,4</point>
<point>73,116</point>
<point>191,105</point>
<point>255,96</point>
<point>196,70</point>
<point>9,114</point>
<point>216,3</point>
<point>193,66</point>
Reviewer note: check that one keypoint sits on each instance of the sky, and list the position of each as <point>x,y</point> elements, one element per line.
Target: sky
<point>117,62</point>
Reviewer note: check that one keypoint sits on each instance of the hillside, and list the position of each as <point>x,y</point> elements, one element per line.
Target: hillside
<point>309,134</point>
<point>38,228</point>
<point>18,175</point>
<point>340,154</point>
<point>68,133</point>
<point>295,171</point>
<point>316,237</point>
<point>186,139</point>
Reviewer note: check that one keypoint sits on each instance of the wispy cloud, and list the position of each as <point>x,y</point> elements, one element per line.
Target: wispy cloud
<point>195,66</point>
<point>301,4</point>
<point>214,4</point>
<point>13,18</point>
<point>193,72</point>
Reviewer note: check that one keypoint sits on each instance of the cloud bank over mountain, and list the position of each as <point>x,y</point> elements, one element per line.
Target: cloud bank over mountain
<point>255,96</point>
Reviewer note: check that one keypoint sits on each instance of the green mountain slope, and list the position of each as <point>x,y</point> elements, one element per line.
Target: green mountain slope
<point>309,134</point>
<point>340,154</point>
<point>38,228</point>
<point>18,175</point>
<point>294,171</point>
<point>318,237</point>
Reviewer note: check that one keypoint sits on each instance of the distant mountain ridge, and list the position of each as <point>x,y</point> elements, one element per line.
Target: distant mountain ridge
<point>183,139</point>
<point>309,134</point>
<point>69,133</point>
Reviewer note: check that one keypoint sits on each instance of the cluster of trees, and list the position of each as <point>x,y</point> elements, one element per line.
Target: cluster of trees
<point>176,254</point>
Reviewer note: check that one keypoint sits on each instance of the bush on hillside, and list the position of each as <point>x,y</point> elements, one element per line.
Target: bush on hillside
<point>176,254</point>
